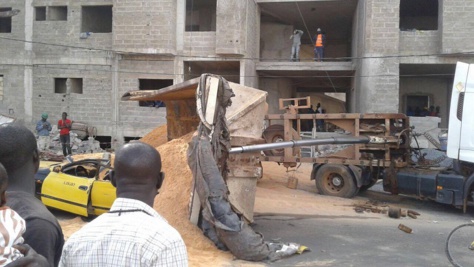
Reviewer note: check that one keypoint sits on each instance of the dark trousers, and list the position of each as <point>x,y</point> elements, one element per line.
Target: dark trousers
<point>318,53</point>
<point>66,143</point>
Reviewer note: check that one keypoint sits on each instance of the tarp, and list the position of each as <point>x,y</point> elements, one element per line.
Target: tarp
<point>207,158</point>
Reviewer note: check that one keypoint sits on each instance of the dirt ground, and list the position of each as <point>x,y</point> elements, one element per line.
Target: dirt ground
<point>273,197</point>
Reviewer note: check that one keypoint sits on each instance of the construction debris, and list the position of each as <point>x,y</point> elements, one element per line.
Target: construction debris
<point>393,212</point>
<point>405,228</point>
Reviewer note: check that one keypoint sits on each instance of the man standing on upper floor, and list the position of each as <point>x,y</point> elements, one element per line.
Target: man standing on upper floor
<point>319,43</point>
<point>295,48</point>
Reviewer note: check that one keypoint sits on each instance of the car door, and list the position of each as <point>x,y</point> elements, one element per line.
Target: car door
<point>102,196</point>
<point>103,192</point>
<point>68,189</point>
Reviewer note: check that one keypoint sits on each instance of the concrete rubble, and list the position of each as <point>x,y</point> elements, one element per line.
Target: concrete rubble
<point>78,146</point>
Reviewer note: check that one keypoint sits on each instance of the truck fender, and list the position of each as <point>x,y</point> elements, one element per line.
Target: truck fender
<point>467,186</point>
<point>357,174</point>
<point>316,167</point>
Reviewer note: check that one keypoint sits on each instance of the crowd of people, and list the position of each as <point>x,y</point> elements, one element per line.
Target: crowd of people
<point>419,112</point>
<point>307,125</point>
<point>132,233</point>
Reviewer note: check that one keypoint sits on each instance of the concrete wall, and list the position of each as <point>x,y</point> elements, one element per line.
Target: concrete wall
<point>92,106</point>
<point>145,26</point>
<point>456,26</point>
<point>200,44</point>
<point>135,120</point>
<point>419,42</point>
<point>274,42</point>
<point>378,91</point>
<point>231,24</point>
<point>276,88</point>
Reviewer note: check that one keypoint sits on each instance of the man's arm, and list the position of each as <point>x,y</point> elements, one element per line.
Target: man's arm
<point>45,239</point>
<point>39,126</point>
<point>31,259</point>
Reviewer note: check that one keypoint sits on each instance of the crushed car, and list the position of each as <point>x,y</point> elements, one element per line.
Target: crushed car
<point>82,187</point>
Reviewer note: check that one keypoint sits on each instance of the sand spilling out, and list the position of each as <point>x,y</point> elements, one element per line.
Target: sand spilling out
<point>173,204</point>
<point>156,137</point>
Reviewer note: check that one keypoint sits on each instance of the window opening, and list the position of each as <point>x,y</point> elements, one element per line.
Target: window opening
<point>153,84</point>
<point>40,13</point>
<point>201,15</point>
<point>418,15</point>
<point>5,22</point>
<point>97,19</point>
<point>57,13</point>
<point>61,85</point>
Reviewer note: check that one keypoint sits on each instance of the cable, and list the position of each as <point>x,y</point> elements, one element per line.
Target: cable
<point>304,22</point>
<point>61,67</point>
<point>467,53</point>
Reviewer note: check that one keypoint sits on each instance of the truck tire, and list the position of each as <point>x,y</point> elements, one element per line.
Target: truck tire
<point>335,180</point>
<point>276,133</point>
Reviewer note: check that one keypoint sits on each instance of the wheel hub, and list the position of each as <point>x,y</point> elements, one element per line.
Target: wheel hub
<point>337,181</point>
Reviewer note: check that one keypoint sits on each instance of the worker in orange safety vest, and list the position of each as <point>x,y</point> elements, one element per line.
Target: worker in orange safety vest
<point>320,42</point>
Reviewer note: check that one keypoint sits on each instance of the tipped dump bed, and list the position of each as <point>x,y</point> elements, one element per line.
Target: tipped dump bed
<point>245,116</point>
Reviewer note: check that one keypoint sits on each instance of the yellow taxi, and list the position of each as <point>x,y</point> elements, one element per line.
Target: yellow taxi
<point>82,187</point>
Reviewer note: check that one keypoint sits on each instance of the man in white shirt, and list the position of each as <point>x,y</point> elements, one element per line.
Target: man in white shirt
<point>132,233</point>
<point>295,48</point>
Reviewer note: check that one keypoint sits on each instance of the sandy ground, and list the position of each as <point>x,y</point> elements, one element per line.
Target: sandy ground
<point>272,198</point>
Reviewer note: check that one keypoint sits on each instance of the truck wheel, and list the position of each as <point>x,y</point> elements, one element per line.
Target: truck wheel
<point>335,180</point>
<point>276,133</point>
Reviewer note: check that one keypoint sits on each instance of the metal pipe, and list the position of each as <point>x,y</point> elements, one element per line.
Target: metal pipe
<point>295,143</point>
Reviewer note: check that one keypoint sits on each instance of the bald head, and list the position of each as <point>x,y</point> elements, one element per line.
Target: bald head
<point>137,168</point>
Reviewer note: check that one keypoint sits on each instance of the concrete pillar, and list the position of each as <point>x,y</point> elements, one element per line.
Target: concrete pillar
<point>28,71</point>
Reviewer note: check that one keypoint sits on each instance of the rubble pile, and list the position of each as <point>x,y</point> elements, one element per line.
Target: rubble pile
<point>78,146</point>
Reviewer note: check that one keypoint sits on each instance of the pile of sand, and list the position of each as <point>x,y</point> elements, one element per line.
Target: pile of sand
<point>157,137</point>
<point>173,203</point>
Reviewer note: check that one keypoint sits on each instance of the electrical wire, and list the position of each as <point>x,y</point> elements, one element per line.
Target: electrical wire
<point>304,22</point>
<point>61,67</point>
<point>224,58</point>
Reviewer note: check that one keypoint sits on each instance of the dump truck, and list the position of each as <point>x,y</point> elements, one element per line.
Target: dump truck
<point>357,167</point>
<point>385,156</point>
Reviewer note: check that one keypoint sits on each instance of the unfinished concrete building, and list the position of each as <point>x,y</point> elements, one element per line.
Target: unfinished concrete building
<point>81,56</point>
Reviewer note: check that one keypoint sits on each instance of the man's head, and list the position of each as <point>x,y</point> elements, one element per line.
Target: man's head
<point>319,30</point>
<point>19,156</point>
<point>44,116</point>
<point>137,172</point>
<point>64,116</point>
<point>3,185</point>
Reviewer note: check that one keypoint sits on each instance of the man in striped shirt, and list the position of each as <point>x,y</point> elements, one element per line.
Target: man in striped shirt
<point>132,233</point>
